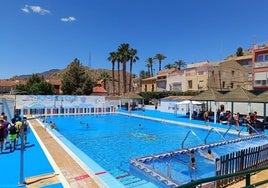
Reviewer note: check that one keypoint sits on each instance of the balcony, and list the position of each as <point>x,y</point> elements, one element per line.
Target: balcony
<point>260,64</point>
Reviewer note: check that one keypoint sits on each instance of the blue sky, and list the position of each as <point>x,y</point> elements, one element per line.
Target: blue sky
<point>39,35</point>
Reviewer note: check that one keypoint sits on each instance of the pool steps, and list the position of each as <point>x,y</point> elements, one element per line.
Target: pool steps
<point>139,164</point>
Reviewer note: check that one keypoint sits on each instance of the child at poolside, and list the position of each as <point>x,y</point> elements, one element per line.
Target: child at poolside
<point>192,159</point>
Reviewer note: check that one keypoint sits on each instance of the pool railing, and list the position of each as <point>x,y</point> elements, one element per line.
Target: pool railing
<point>143,167</point>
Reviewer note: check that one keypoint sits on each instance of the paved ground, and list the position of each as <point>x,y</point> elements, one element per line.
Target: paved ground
<point>68,167</point>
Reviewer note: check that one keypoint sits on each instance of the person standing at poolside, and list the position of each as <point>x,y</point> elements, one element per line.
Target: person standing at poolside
<point>12,134</point>
<point>2,134</point>
<point>6,124</point>
<point>206,118</point>
<point>19,127</point>
<point>26,129</point>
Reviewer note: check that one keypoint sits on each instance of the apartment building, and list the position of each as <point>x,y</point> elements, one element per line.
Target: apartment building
<point>226,75</point>
<point>148,84</point>
<point>223,75</point>
<point>260,67</point>
<point>197,76</point>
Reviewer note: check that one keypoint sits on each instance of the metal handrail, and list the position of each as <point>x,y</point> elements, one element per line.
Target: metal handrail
<point>216,132</point>
<point>190,131</point>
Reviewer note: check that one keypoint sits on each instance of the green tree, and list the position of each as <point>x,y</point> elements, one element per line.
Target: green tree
<point>169,66</point>
<point>133,58</point>
<point>180,64</point>
<point>150,62</point>
<point>36,85</point>
<point>143,74</point>
<point>113,58</point>
<point>160,58</point>
<point>239,52</point>
<point>74,78</point>
<point>105,77</point>
<point>87,86</point>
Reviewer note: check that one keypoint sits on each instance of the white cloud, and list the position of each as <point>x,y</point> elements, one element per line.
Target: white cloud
<point>69,19</point>
<point>35,9</point>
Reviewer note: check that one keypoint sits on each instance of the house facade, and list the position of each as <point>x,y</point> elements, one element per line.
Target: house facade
<point>260,67</point>
<point>226,75</point>
<point>148,84</point>
<point>197,76</point>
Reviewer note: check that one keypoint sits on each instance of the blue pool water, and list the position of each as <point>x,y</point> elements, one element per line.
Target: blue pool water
<point>113,140</point>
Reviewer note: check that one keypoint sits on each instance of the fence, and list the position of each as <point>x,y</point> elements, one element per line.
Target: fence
<point>240,161</point>
<point>55,111</point>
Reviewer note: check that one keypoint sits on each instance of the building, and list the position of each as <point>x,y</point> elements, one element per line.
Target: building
<point>176,81</point>
<point>226,75</point>
<point>260,67</point>
<point>7,86</point>
<point>148,84</point>
<point>197,76</point>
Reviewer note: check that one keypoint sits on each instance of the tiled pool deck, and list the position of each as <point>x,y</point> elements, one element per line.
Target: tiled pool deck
<point>50,164</point>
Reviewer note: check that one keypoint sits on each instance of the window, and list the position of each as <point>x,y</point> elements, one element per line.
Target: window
<point>223,84</point>
<point>262,57</point>
<point>232,85</point>
<point>201,84</point>
<point>233,73</point>
<point>152,87</point>
<point>190,84</point>
<point>145,88</point>
<point>177,86</point>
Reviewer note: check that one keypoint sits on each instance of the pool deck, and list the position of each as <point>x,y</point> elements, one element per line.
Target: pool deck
<point>53,166</point>
<point>74,174</point>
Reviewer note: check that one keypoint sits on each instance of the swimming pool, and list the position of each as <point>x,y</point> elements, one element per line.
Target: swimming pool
<point>112,140</point>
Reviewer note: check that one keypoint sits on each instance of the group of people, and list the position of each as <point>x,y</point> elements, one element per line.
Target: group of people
<point>208,154</point>
<point>12,132</point>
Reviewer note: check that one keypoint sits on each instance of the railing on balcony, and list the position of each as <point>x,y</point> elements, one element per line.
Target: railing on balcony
<point>260,64</point>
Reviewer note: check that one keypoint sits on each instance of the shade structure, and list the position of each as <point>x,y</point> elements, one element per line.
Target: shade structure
<point>239,94</point>
<point>208,95</point>
<point>261,98</point>
<point>131,96</point>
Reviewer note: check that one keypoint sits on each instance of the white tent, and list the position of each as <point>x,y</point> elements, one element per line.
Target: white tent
<point>188,102</point>
<point>188,106</point>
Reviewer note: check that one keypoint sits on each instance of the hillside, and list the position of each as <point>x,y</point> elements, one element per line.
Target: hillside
<point>95,74</point>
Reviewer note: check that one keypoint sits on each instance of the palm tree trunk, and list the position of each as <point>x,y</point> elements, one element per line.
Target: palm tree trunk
<point>130,78</point>
<point>125,77</point>
<point>113,78</point>
<point>118,77</point>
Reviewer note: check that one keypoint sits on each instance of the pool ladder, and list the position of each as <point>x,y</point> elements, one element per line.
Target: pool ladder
<point>192,170</point>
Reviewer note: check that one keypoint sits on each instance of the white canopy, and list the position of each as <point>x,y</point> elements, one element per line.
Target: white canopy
<point>187,102</point>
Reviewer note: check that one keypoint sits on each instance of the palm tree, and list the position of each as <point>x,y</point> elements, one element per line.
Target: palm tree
<point>123,52</point>
<point>113,58</point>
<point>150,62</point>
<point>180,64</point>
<point>118,72</point>
<point>169,66</point>
<point>133,58</point>
<point>105,77</point>
<point>159,57</point>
